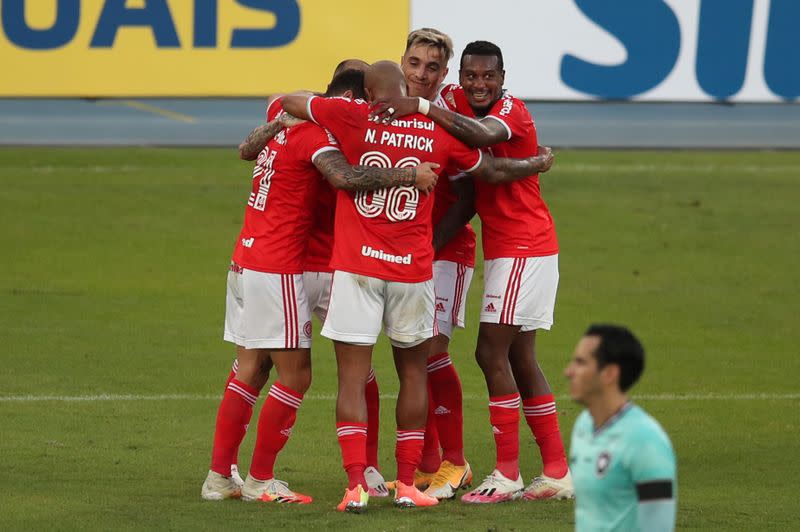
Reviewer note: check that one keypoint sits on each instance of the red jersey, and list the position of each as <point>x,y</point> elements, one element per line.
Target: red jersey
<point>320,242</point>
<point>461,249</point>
<point>387,233</point>
<point>515,220</point>
<point>277,218</point>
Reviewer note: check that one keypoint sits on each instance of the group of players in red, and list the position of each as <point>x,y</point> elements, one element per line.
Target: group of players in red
<point>348,219</point>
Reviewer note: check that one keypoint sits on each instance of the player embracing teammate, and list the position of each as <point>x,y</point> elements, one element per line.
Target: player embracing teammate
<point>444,469</point>
<point>382,259</point>
<point>383,268</point>
<point>521,275</point>
<point>267,312</point>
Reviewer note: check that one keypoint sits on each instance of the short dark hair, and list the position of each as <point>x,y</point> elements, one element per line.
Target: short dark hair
<point>341,66</point>
<point>482,48</point>
<point>350,79</point>
<point>619,346</point>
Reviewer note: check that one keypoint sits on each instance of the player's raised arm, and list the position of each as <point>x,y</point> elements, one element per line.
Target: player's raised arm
<point>297,104</point>
<point>252,145</point>
<point>333,165</point>
<point>473,133</point>
<point>497,170</point>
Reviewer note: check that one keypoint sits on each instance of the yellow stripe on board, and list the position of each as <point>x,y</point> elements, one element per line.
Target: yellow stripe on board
<point>178,48</point>
<point>166,113</point>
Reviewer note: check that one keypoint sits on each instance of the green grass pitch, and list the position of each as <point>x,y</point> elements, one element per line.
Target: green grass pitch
<point>112,283</point>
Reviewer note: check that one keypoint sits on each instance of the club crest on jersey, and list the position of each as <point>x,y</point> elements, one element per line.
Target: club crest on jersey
<point>307,329</point>
<point>603,461</point>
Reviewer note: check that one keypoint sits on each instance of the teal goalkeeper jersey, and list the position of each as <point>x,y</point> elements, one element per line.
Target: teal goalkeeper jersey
<point>626,460</point>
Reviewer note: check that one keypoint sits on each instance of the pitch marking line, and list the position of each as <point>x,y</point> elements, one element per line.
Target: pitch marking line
<point>331,397</point>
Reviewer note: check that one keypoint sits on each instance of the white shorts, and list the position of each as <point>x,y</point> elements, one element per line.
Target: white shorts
<point>520,291</point>
<point>318,292</point>
<point>451,283</point>
<point>266,310</point>
<point>360,305</point>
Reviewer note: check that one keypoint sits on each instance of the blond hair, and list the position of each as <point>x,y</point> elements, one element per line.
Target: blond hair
<point>431,37</point>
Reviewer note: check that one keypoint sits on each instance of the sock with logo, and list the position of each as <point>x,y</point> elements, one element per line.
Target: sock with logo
<point>408,453</point>
<point>431,450</point>
<point>372,395</point>
<point>504,417</point>
<point>540,413</point>
<point>274,428</point>
<point>353,443</point>
<point>233,416</point>
<point>447,398</point>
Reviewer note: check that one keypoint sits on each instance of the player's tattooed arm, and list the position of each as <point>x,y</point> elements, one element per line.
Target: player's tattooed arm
<point>502,170</point>
<point>458,214</point>
<point>258,138</point>
<point>473,133</point>
<point>252,145</point>
<point>341,174</point>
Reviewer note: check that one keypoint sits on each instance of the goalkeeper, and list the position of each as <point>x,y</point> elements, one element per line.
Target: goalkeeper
<point>622,461</point>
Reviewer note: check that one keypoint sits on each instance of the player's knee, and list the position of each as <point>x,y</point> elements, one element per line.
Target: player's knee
<point>483,357</point>
<point>491,362</point>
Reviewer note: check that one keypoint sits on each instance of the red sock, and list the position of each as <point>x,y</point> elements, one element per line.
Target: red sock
<point>504,417</point>
<point>353,442</point>
<point>231,376</point>
<point>372,396</point>
<point>232,419</point>
<point>431,451</point>
<point>408,453</point>
<point>274,428</point>
<point>540,413</point>
<point>447,397</point>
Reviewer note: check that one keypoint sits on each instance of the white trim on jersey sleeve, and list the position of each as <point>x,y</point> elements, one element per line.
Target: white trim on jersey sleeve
<point>269,106</point>
<point>508,129</point>
<point>480,158</point>
<point>323,150</point>
<point>439,101</point>
<point>308,109</point>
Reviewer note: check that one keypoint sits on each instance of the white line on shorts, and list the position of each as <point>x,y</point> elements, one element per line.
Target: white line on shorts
<point>332,397</point>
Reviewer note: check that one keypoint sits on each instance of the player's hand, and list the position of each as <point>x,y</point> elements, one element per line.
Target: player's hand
<point>546,159</point>
<point>426,177</point>
<point>384,111</point>
<point>288,120</point>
